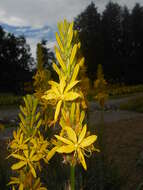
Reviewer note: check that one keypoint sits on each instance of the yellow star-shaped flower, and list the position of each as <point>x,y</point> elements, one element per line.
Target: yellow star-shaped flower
<point>26,159</point>
<point>61,92</point>
<point>76,144</point>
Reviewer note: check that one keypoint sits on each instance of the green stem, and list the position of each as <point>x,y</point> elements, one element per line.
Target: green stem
<point>72,177</point>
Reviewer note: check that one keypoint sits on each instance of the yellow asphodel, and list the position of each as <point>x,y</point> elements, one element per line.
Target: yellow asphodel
<point>26,159</point>
<point>61,92</point>
<point>77,144</point>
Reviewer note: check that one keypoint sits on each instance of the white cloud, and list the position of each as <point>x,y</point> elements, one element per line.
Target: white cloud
<point>38,13</point>
<point>12,20</point>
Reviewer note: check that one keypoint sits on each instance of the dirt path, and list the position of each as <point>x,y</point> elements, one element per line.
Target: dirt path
<point>124,148</point>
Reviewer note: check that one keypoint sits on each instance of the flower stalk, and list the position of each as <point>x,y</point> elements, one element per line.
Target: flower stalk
<point>72,177</point>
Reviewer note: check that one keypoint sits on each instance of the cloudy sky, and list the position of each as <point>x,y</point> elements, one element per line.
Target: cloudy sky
<point>37,19</point>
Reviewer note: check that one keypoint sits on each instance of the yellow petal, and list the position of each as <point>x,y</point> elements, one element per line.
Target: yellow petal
<point>32,153</point>
<point>82,134</point>
<point>88,141</point>
<point>71,85</point>
<point>50,95</point>
<point>18,165</point>
<point>81,159</point>
<point>35,158</point>
<point>71,134</point>
<point>64,140</point>
<point>26,153</point>
<point>18,156</point>
<point>21,186</point>
<point>66,149</point>
<point>32,170</point>
<point>53,83</point>
<point>70,96</point>
<point>74,50</point>
<point>58,108</point>
<point>51,153</point>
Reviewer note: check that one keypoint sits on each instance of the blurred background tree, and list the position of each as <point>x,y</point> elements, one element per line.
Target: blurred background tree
<point>15,62</point>
<point>114,39</point>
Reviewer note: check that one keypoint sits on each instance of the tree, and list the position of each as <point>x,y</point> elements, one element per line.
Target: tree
<point>15,62</point>
<point>137,44</point>
<point>112,37</point>
<point>88,23</point>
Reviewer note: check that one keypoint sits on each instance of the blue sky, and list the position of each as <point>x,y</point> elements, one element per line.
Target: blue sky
<point>37,19</point>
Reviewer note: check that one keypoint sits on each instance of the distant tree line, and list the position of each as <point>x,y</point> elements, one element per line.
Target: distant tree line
<point>16,62</point>
<point>113,38</point>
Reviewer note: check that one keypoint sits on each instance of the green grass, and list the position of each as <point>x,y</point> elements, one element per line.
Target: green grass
<point>9,99</point>
<point>133,105</point>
